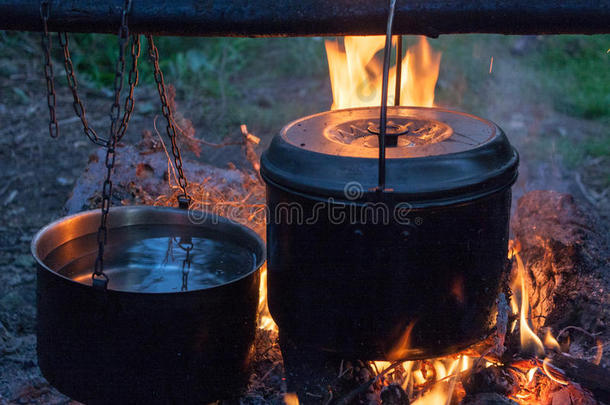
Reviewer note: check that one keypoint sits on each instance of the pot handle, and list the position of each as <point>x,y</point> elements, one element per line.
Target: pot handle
<point>384,96</point>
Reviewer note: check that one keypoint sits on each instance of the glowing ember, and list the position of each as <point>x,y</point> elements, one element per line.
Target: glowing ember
<point>552,374</point>
<point>440,381</point>
<point>356,73</point>
<point>381,365</point>
<point>437,396</point>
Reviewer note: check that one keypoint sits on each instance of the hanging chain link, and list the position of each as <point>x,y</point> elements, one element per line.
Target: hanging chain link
<point>187,245</point>
<point>100,279</point>
<point>134,77</point>
<point>77,104</point>
<point>118,126</point>
<point>184,199</point>
<point>48,68</point>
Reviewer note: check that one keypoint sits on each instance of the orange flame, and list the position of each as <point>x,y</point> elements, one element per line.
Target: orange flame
<point>381,365</point>
<point>290,398</point>
<point>600,352</point>
<point>356,74</point>
<point>552,374</point>
<point>530,374</point>
<point>401,348</point>
<point>551,342</point>
<point>530,342</point>
<point>264,317</point>
<point>408,366</point>
<point>437,396</point>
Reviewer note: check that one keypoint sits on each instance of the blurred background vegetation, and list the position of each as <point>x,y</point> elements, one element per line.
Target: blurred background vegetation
<point>268,82</point>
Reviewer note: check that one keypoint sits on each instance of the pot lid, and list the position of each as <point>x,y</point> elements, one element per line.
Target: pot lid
<point>439,155</point>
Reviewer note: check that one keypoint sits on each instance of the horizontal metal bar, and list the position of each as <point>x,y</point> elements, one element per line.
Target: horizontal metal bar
<point>313,17</point>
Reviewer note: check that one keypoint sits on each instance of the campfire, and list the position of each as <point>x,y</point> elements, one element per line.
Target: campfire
<point>516,364</point>
<point>369,256</point>
<point>521,362</point>
<point>524,360</point>
<point>513,363</point>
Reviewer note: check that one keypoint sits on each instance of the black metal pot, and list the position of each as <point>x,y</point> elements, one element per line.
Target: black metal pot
<point>412,272</point>
<point>127,346</point>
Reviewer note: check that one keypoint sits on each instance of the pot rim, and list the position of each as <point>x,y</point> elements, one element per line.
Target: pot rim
<point>448,202</point>
<point>147,209</point>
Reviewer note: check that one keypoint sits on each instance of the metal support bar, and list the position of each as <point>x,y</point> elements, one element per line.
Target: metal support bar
<point>313,17</point>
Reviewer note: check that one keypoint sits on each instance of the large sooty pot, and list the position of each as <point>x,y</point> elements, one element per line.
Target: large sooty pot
<point>148,338</point>
<point>413,272</point>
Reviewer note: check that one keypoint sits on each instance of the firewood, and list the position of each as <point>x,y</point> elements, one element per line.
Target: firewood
<point>571,394</point>
<point>566,257</point>
<point>393,394</point>
<point>249,141</point>
<point>492,379</point>
<point>593,377</point>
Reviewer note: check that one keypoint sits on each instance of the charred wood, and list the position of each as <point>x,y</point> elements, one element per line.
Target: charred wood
<point>591,376</point>
<point>565,253</point>
<point>488,399</point>
<point>393,394</point>
<point>492,379</point>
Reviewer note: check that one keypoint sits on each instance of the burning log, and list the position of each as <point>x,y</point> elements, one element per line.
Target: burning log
<point>488,399</point>
<point>313,17</point>
<point>566,258</point>
<point>492,379</point>
<point>589,375</point>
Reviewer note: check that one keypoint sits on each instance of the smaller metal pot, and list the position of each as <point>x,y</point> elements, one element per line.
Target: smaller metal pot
<point>125,346</point>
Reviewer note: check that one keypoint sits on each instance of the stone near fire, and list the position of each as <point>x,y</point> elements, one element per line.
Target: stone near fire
<point>492,379</point>
<point>393,394</point>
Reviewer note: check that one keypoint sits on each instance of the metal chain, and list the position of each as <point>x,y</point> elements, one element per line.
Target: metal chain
<point>134,76</point>
<point>77,104</point>
<point>184,199</point>
<point>48,69</point>
<point>187,245</point>
<point>100,279</point>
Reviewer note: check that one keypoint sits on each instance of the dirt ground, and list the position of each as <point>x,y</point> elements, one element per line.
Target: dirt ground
<point>37,175</point>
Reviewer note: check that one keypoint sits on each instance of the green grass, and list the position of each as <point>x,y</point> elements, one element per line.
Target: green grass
<point>575,153</point>
<point>216,75</point>
<point>576,70</point>
<point>229,81</point>
<point>207,64</point>
<point>573,71</point>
